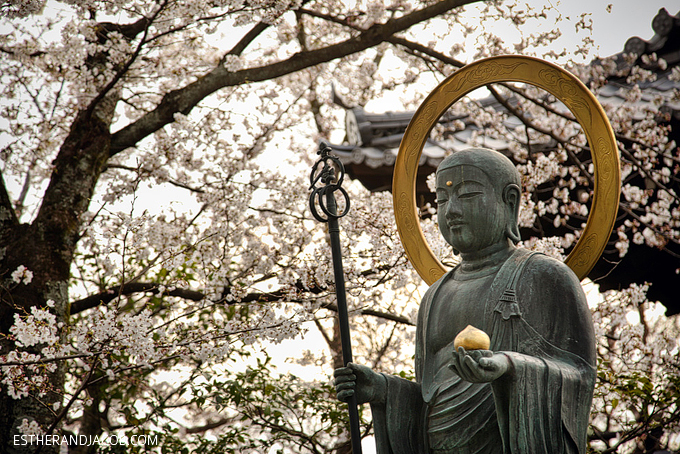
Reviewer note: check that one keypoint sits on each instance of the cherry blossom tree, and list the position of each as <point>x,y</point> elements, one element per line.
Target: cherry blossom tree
<point>106,99</point>
<point>155,238</point>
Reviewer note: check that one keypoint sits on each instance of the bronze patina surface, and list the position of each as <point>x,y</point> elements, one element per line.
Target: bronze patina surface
<point>527,390</point>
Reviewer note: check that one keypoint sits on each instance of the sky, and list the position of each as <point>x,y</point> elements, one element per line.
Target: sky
<point>627,18</point>
<point>614,22</point>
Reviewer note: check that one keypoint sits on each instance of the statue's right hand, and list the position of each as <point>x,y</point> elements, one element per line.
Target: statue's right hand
<point>369,386</point>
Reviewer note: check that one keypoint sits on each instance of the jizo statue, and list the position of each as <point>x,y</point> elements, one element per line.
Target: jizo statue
<point>531,389</point>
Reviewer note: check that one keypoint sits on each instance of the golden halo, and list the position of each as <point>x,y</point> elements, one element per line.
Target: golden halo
<point>510,68</point>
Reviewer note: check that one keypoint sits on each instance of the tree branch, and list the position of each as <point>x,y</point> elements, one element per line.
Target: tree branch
<point>246,40</point>
<point>130,289</point>
<point>112,293</point>
<point>64,410</point>
<point>169,181</point>
<point>416,47</point>
<point>121,72</point>
<point>641,170</point>
<point>209,426</point>
<point>549,133</point>
<point>130,31</point>
<point>183,100</point>
<point>8,216</point>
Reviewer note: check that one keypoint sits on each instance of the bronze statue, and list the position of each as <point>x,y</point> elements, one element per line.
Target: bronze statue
<point>531,391</point>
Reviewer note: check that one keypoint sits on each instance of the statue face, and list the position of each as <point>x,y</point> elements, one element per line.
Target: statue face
<point>471,215</point>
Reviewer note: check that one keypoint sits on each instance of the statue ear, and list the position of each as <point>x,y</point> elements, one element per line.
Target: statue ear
<point>511,197</point>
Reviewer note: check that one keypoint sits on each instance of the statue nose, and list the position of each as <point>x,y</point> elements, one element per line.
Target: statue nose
<point>453,210</point>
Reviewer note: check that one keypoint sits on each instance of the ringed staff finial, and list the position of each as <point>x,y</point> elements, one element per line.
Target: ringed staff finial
<point>326,178</point>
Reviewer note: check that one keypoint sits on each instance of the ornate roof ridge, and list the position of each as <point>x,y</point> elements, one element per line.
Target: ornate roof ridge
<point>665,44</point>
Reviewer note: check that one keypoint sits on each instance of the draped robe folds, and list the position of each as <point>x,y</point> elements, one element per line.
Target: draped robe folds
<point>536,314</point>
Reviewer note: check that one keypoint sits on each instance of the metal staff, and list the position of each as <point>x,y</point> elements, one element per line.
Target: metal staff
<point>330,172</point>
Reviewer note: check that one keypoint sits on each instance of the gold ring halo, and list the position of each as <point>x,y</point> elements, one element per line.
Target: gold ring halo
<point>510,68</point>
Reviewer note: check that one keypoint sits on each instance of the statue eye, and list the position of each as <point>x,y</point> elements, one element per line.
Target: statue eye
<point>469,195</point>
<point>469,189</point>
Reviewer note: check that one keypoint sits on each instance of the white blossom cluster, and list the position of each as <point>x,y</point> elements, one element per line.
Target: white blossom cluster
<point>20,8</point>
<point>29,371</point>
<point>22,275</point>
<point>649,162</point>
<point>550,246</point>
<point>15,379</point>
<point>30,428</point>
<point>40,327</point>
<point>638,350</point>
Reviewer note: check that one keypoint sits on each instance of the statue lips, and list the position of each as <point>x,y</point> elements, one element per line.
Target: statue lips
<point>455,223</point>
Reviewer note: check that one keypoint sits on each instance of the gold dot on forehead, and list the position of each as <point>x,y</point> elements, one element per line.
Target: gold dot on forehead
<point>449,183</point>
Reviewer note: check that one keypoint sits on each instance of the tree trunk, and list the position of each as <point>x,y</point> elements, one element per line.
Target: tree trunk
<point>46,247</point>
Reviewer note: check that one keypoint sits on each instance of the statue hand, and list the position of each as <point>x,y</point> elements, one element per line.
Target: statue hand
<point>479,366</point>
<point>368,385</point>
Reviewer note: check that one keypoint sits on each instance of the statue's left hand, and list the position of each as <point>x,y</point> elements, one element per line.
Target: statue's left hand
<point>479,366</point>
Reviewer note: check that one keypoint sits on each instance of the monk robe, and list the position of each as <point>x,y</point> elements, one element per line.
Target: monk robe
<point>536,313</point>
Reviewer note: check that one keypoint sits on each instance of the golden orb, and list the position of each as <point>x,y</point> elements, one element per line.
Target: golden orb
<point>472,338</point>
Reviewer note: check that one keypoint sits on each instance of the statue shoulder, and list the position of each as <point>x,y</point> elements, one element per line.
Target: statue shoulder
<point>554,303</point>
<point>429,293</point>
<point>547,271</point>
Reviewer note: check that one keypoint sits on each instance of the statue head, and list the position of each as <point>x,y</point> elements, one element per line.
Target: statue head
<point>478,196</point>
